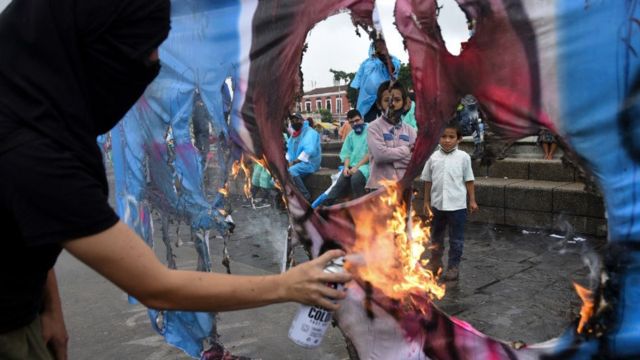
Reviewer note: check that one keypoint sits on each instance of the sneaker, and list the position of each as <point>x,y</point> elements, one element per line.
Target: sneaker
<point>451,274</point>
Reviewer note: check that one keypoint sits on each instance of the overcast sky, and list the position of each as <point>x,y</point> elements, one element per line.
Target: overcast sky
<point>333,43</point>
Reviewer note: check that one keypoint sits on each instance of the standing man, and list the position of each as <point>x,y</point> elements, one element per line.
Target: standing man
<point>371,73</point>
<point>303,152</point>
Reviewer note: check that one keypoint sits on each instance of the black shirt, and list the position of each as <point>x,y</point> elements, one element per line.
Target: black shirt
<point>69,70</point>
<point>46,196</point>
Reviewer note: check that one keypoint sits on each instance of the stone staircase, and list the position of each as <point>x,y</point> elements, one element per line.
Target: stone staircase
<point>522,190</point>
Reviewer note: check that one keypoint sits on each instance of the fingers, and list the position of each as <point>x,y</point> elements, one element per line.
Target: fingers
<point>335,277</point>
<point>328,256</point>
<point>331,293</point>
<point>327,304</point>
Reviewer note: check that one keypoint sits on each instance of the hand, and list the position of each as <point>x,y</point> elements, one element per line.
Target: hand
<point>427,207</point>
<point>345,172</point>
<point>473,207</point>
<point>54,333</point>
<point>307,282</point>
<point>352,171</point>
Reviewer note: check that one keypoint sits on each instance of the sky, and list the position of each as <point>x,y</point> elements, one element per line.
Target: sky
<point>333,43</point>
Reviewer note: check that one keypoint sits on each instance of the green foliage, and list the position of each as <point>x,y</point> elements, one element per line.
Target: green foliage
<point>352,94</point>
<point>405,76</point>
<point>325,116</point>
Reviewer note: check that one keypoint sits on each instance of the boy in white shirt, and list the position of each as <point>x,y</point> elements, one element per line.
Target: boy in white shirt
<point>448,180</point>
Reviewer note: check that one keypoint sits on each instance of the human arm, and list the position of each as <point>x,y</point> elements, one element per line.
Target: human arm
<point>379,149</point>
<point>471,194</point>
<point>122,257</point>
<point>363,161</point>
<point>309,145</point>
<point>395,64</point>
<point>410,133</point>
<point>345,155</point>
<point>427,197</point>
<point>54,331</point>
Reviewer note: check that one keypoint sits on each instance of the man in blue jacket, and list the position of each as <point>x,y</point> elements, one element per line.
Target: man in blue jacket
<point>303,152</point>
<point>371,73</point>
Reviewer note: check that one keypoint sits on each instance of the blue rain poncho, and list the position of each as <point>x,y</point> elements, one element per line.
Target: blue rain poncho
<point>371,73</point>
<point>305,147</point>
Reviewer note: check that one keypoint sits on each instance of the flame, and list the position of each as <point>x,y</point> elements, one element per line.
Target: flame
<point>235,171</point>
<point>586,311</point>
<point>224,191</point>
<point>398,271</point>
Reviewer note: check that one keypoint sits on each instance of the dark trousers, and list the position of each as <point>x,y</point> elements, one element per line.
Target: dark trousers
<point>299,182</point>
<point>353,185</point>
<point>455,220</point>
<point>372,114</point>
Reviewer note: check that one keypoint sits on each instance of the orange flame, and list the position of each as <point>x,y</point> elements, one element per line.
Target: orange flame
<point>586,311</point>
<point>224,191</point>
<point>235,171</point>
<point>393,249</point>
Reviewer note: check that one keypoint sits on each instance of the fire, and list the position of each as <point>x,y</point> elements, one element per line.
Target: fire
<point>235,171</point>
<point>398,271</point>
<point>586,311</point>
<point>224,191</point>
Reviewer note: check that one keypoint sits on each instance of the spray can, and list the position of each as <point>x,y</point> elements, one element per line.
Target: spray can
<point>311,322</point>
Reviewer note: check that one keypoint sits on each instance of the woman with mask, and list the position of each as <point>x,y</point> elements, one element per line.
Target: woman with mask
<point>355,156</point>
<point>389,139</point>
<point>69,71</point>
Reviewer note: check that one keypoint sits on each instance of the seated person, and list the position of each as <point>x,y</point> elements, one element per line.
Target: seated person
<point>262,187</point>
<point>355,155</point>
<point>303,152</point>
<point>389,139</point>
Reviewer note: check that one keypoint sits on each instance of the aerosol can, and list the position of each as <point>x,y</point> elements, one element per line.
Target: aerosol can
<point>311,322</point>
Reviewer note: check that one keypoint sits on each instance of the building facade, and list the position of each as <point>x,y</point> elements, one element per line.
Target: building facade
<point>332,98</point>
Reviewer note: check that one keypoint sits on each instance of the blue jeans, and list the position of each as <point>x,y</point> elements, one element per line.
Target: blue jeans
<point>455,219</point>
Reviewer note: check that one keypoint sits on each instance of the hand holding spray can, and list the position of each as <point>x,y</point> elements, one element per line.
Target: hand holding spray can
<point>311,322</point>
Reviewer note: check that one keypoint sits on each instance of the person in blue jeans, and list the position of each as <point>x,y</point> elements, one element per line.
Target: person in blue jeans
<point>449,183</point>
<point>304,153</point>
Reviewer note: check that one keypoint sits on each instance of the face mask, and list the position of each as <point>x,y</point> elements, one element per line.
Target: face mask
<point>358,128</point>
<point>296,126</point>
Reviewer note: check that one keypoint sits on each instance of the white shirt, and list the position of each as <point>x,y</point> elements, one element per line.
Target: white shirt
<point>448,174</point>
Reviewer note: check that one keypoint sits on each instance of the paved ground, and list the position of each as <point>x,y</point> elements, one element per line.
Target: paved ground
<point>513,286</point>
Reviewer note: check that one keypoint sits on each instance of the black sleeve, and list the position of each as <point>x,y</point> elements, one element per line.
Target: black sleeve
<point>51,195</point>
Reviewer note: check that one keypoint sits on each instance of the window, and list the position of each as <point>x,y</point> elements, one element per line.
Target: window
<point>338,106</point>
<point>307,106</point>
<point>298,107</point>
<point>318,105</point>
<point>328,103</point>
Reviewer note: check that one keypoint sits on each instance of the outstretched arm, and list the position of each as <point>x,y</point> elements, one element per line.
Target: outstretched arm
<point>122,257</point>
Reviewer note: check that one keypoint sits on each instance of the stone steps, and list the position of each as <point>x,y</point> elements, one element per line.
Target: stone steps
<point>522,190</point>
<point>524,148</point>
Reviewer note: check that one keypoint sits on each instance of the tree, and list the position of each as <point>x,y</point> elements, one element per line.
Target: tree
<point>325,116</point>
<point>352,94</point>
<point>404,77</point>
